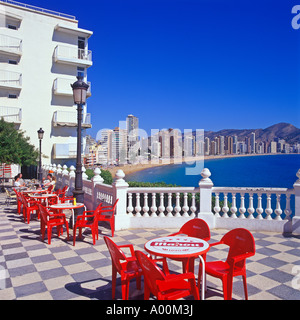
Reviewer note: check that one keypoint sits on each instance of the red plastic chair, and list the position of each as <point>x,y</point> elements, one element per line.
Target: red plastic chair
<point>196,228</point>
<point>241,246</point>
<point>19,201</point>
<point>52,220</point>
<point>127,267</point>
<point>165,287</point>
<point>50,188</point>
<point>87,221</point>
<point>107,213</point>
<point>28,207</point>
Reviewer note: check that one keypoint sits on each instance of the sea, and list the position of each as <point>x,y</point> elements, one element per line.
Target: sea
<point>277,171</point>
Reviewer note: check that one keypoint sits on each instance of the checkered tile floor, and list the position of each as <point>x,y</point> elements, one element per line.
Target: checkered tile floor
<point>32,269</point>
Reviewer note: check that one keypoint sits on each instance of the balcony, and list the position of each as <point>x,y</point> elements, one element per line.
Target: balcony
<point>64,150</point>
<point>62,87</point>
<point>69,119</point>
<point>10,45</point>
<point>10,80</point>
<point>73,56</point>
<point>11,114</point>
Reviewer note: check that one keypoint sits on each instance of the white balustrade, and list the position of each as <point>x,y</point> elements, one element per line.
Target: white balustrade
<point>251,204</point>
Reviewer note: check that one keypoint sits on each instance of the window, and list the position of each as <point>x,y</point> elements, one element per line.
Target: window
<point>81,72</point>
<point>12,96</point>
<point>12,61</point>
<point>11,26</point>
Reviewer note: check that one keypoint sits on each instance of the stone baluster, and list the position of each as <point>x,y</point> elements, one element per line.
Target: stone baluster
<point>153,206</point>
<point>288,210</point>
<point>146,207</point>
<point>233,208</point>
<point>269,210</point>
<point>193,206</point>
<point>130,207</point>
<point>54,168</point>
<point>225,208</point>
<point>177,207</point>
<point>138,205</point>
<point>65,171</point>
<point>278,210</point>
<point>242,209</point>
<point>169,207</point>
<point>84,175</point>
<point>59,170</point>
<point>72,171</point>
<point>251,208</point>
<point>217,208</point>
<point>161,207</point>
<point>259,209</point>
<point>185,207</point>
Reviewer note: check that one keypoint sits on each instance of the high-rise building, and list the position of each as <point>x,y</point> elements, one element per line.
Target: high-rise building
<point>41,53</point>
<point>132,126</point>
<point>119,146</point>
<point>206,146</point>
<point>252,142</point>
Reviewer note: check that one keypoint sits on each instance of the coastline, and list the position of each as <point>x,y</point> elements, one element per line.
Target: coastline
<point>132,168</point>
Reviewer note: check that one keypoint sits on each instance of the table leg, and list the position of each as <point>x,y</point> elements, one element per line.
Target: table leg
<point>203,278</point>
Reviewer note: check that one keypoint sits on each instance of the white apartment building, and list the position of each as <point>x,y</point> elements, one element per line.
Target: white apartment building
<point>41,53</point>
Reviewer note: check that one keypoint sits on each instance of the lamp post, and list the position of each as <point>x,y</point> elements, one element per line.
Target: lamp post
<point>79,94</point>
<point>40,136</point>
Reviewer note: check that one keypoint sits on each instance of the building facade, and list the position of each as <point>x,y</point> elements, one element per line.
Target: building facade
<point>41,54</point>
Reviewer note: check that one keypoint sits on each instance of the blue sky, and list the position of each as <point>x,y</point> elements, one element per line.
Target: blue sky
<point>190,64</point>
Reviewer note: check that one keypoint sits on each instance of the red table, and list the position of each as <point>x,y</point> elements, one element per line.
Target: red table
<point>179,247</point>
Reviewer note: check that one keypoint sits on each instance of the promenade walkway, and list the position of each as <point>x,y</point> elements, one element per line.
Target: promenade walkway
<point>32,269</point>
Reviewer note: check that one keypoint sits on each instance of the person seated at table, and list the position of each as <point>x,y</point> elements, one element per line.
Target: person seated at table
<point>17,182</point>
<point>51,180</point>
<point>21,181</point>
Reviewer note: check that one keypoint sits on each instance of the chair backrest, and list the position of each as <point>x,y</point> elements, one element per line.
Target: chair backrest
<point>240,241</point>
<point>51,187</point>
<point>197,228</point>
<point>43,213</point>
<point>151,271</point>
<point>116,253</point>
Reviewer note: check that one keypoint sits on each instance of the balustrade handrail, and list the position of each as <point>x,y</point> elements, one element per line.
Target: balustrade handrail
<point>162,189</point>
<point>253,189</point>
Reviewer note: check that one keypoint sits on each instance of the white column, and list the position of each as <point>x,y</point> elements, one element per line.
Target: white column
<point>120,186</point>
<point>296,218</point>
<point>205,186</point>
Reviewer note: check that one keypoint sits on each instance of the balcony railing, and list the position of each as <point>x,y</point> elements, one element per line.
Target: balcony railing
<point>69,119</point>
<point>10,79</point>
<point>62,86</point>
<point>73,55</point>
<point>65,150</point>
<point>10,45</point>
<point>38,9</point>
<point>11,114</point>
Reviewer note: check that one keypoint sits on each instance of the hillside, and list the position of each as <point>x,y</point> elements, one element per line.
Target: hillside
<point>282,130</point>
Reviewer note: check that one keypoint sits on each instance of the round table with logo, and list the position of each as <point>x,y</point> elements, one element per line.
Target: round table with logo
<point>179,246</point>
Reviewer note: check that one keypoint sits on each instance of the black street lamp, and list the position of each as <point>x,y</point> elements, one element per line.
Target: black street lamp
<point>40,173</point>
<point>79,94</point>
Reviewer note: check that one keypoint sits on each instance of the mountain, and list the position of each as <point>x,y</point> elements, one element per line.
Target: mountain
<point>282,130</point>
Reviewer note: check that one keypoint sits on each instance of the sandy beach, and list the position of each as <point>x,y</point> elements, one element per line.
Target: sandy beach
<point>131,168</point>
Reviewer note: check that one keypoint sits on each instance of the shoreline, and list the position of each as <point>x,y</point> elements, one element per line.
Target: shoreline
<point>132,168</point>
